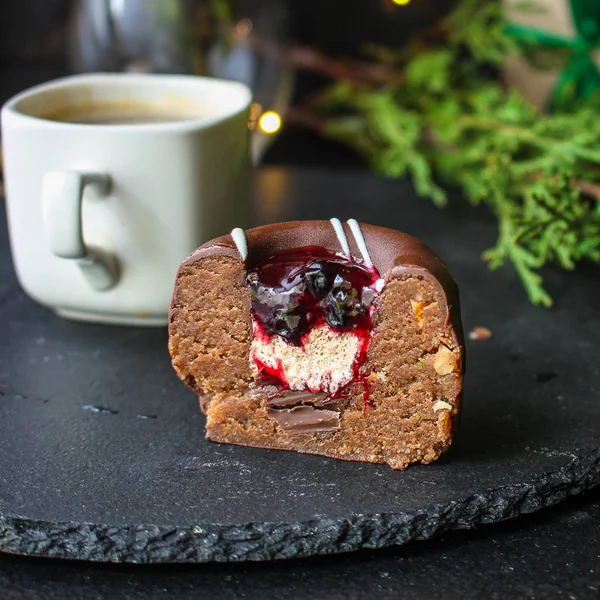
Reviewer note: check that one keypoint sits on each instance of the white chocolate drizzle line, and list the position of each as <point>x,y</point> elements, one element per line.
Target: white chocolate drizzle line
<point>239,238</point>
<point>341,236</point>
<point>360,241</point>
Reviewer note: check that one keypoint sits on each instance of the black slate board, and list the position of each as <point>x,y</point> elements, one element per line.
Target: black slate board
<point>102,455</point>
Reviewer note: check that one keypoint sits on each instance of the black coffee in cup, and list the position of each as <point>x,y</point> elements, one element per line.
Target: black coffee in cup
<point>123,113</point>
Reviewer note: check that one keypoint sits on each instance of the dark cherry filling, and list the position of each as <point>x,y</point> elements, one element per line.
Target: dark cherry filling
<point>294,290</point>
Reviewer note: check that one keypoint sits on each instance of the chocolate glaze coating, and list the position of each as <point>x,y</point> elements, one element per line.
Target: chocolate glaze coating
<point>394,254</point>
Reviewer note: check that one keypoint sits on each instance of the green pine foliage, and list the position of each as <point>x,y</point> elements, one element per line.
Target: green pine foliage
<point>445,117</point>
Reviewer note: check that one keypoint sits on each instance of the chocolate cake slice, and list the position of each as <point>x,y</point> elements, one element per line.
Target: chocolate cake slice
<point>337,339</point>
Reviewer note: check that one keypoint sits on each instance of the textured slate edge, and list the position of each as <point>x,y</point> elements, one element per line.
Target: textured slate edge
<point>267,541</point>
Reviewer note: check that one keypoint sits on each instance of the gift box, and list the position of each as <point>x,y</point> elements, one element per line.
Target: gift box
<point>561,39</point>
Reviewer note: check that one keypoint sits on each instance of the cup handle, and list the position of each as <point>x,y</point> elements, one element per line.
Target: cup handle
<point>62,197</point>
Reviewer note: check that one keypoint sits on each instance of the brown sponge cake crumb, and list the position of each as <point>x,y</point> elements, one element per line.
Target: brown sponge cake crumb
<point>210,326</point>
<point>401,411</point>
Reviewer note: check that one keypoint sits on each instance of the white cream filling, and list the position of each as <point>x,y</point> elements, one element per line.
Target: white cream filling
<point>324,362</point>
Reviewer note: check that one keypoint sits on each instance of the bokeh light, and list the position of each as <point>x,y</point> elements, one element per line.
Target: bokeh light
<point>269,122</point>
<point>242,29</point>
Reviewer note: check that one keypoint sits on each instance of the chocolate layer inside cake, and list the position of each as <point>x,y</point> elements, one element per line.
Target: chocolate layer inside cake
<point>300,346</point>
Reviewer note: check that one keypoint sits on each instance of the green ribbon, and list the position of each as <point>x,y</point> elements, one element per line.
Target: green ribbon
<point>580,78</point>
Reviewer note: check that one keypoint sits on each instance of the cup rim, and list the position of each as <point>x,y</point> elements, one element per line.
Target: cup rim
<point>11,106</point>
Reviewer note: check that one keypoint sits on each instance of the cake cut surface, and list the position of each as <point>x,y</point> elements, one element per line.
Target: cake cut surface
<point>321,338</point>
<point>311,318</point>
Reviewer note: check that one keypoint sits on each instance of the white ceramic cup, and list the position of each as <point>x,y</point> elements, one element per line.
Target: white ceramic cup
<point>101,215</point>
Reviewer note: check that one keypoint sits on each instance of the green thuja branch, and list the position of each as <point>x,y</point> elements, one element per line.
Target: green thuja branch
<point>446,116</point>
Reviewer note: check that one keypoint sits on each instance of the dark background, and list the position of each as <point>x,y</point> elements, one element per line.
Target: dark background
<point>550,555</point>
<point>33,49</point>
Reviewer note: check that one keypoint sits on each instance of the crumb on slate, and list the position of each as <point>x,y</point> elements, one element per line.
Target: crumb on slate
<point>480,334</point>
